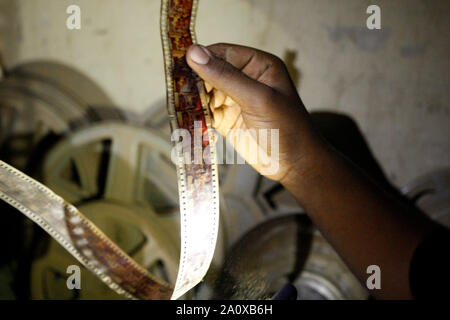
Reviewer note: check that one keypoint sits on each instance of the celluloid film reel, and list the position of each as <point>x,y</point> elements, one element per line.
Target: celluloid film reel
<point>67,79</point>
<point>121,178</point>
<point>41,98</point>
<point>39,102</point>
<point>115,159</point>
<point>284,250</point>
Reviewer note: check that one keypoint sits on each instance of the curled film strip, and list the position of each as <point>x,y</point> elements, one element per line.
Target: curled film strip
<point>198,186</point>
<point>188,110</point>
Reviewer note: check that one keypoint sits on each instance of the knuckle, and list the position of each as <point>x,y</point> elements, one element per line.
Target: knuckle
<point>219,49</point>
<point>277,62</point>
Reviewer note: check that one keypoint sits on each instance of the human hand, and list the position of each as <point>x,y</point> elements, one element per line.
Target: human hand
<point>251,90</point>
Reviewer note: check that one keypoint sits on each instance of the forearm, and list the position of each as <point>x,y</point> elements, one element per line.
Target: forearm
<point>365,225</point>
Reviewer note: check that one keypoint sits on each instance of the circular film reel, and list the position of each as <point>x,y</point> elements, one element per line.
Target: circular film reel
<point>284,250</point>
<point>120,176</point>
<point>40,98</point>
<point>115,161</point>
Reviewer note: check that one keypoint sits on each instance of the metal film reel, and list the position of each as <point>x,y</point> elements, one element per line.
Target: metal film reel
<point>281,250</point>
<point>39,98</point>
<point>39,102</point>
<point>120,176</point>
<point>67,79</point>
<point>251,199</point>
<point>135,157</point>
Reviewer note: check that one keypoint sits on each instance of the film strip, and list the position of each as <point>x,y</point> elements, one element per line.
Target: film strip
<point>188,110</point>
<point>198,185</point>
<point>79,236</point>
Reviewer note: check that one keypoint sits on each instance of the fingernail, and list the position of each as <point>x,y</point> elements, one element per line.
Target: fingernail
<point>199,54</point>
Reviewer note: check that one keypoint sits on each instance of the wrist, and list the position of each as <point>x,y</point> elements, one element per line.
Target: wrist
<point>307,166</point>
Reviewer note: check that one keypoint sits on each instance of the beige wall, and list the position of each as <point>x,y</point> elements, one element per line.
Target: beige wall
<point>394,82</point>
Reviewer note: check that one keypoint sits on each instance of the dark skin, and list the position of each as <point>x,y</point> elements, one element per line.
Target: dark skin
<point>364,224</point>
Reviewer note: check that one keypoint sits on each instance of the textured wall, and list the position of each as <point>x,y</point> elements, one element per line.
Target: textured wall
<point>394,82</point>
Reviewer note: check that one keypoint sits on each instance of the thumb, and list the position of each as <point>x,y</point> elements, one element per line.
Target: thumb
<point>223,76</point>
